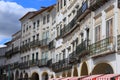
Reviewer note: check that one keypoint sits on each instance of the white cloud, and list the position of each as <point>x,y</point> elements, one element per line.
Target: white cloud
<point>10,13</point>
<point>2,46</point>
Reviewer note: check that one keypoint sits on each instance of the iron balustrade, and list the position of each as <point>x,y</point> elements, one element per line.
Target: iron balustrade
<point>35,43</point>
<point>118,42</point>
<point>51,45</point>
<point>73,22</point>
<point>24,65</point>
<point>101,46</point>
<point>49,63</point>
<point>9,53</point>
<point>62,65</point>
<point>34,62</point>
<point>95,4</point>
<point>81,50</point>
<point>44,42</point>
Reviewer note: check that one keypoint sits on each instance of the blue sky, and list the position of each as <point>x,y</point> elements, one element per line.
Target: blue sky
<point>10,13</point>
<point>34,3</point>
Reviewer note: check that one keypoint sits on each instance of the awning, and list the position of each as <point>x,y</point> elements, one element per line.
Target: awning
<point>92,77</point>
<point>107,77</point>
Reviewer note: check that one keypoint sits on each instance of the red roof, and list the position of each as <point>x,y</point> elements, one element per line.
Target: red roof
<point>92,77</point>
<point>107,77</point>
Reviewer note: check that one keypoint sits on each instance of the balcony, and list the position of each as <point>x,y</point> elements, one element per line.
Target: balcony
<point>49,63</point>
<point>81,13</point>
<point>103,47</point>
<point>9,53</point>
<point>52,45</point>
<point>62,65</point>
<point>16,50</point>
<point>25,47</point>
<point>35,43</point>
<point>118,42</point>
<point>81,50</point>
<point>44,42</point>
<point>95,4</point>
<point>43,62</point>
<point>34,62</point>
<point>24,65</point>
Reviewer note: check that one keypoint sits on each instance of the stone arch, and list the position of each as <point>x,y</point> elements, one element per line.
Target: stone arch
<point>44,76</point>
<point>35,76</point>
<point>103,68</point>
<point>52,76</point>
<point>69,74</point>
<point>57,77</point>
<point>16,75</point>
<point>84,69</point>
<point>26,76</point>
<point>21,75</point>
<point>11,76</point>
<point>75,72</point>
<point>63,74</point>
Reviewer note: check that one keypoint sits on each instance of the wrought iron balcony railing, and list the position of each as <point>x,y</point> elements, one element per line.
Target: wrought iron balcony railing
<point>24,65</point>
<point>102,47</point>
<point>95,4</point>
<point>81,50</point>
<point>52,45</point>
<point>34,43</point>
<point>62,65</point>
<point>73,22</point>
<point>49,63</point>
<point>9,53</point>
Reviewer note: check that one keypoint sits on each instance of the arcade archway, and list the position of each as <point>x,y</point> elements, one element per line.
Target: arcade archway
<point>26,76</point>
<point>35,76</point>
<point>69,74</point>
<point>21,75</point>
<point>45,76</point>
<point>12,76</point>
<point>17,75</point>
<point>84,69</point>
<point>103,68</point>
<point>75,72</point>
<point>63,74</point>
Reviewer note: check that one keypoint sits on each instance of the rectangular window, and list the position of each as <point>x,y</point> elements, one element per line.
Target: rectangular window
<point>97,33</point>
<point>34,25</point>
<point>38,23</point>
<point>36,56</point>
<point>57,58</point>
<point>63,54</point>
<point>48,18</point>
<point>44,19</point>
<point>61,4</point>
<point>47,34</point>
<point>109,28</point>
<point>28,57</point>
<point>58,6</point>
<point>33,57</point>
<point>37,36</point>
<point>81,37</point>
<point>60,56</point>
<point>33,38</point>
<point>57,31</point>
<point>64,2</point>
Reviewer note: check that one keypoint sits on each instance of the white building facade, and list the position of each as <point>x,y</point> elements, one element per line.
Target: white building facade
<point>71,38</point>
